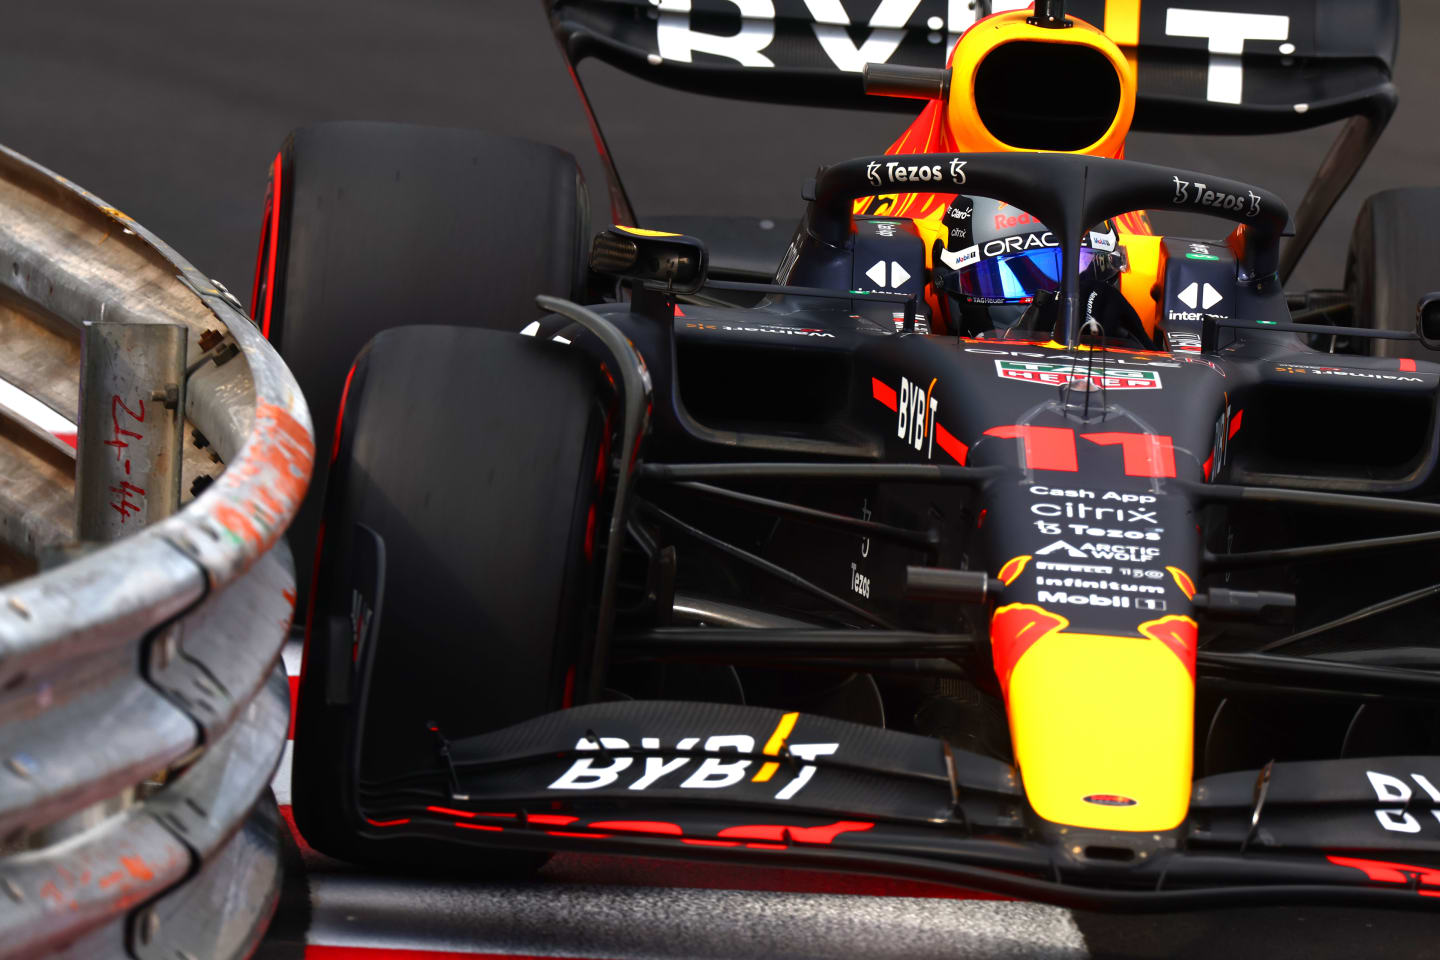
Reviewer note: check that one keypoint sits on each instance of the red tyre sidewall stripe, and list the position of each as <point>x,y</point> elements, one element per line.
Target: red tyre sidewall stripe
<point>273,209</point>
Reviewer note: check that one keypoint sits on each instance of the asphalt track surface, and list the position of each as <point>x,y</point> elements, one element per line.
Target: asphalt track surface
<point>172,111</point>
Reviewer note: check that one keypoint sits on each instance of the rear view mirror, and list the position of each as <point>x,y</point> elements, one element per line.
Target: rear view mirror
<point>661,261</point>
<point>1427,320</point>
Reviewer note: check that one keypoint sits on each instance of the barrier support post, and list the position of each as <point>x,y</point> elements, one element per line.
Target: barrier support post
<point>132,403</point>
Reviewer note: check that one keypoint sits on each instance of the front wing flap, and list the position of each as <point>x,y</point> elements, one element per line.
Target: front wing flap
<point>1375,804</point>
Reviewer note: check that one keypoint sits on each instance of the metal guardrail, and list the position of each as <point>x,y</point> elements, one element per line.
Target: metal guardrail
<point>153,658</point>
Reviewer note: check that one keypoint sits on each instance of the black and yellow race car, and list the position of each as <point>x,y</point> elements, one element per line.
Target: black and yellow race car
<point>981,535</point>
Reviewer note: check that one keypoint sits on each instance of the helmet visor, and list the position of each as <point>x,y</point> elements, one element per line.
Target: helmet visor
<point>1017,277</point>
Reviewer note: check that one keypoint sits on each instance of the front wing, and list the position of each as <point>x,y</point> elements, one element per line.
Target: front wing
<point>764,786</point>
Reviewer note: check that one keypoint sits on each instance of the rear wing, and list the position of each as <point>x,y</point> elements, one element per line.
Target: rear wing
<point>1260,66</point>
<point>1281,64</point>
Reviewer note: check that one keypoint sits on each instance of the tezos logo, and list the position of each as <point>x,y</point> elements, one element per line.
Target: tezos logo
<point>1219,199</point>
<point>897,172</point>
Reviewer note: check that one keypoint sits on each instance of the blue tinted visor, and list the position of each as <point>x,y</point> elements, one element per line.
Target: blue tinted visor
<point>1017,277</point>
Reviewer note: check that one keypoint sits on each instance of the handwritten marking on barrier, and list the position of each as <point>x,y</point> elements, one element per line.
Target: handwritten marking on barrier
<point>123,504</point>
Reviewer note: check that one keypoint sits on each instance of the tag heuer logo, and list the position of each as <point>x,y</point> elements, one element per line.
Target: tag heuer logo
<point>1059,374</point>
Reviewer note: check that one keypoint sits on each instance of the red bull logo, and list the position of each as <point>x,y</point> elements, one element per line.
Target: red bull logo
<point>1013,630</point>
<point>1019,219</point>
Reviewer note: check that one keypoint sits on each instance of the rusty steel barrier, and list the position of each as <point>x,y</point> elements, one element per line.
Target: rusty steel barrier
<point>142,708</point>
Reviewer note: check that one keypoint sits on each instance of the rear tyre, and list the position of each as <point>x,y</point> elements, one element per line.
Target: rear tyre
<point>1394,259</point>
<point>379,225</point>
<point>473,455</point>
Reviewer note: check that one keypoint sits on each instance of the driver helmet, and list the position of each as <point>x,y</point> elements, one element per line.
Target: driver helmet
<point>995,259</point>
<point>1003,255</point>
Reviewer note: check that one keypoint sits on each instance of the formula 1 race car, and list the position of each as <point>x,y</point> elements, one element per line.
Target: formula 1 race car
<point>981,536</point>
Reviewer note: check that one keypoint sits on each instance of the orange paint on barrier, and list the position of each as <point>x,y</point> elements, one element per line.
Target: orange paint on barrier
<point>273,505</point>
<point>137,868</point>
<point>238,524</point>
<point>125,883</point>
<point>278,464</point>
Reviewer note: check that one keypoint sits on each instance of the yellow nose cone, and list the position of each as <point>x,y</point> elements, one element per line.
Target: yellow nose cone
<point>1102,726</point>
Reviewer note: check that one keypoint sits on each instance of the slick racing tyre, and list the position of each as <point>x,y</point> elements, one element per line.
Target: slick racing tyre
<point>453,588</point>
<point>1394,259</point>
<point>379,225</point>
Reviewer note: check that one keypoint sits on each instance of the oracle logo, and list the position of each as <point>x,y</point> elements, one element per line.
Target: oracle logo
<point>1110,800</point>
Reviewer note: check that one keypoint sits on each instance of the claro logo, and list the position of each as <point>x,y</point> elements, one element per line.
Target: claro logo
<point>709,773</point>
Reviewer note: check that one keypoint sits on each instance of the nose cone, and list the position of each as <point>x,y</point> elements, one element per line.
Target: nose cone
<point>1102,726</point>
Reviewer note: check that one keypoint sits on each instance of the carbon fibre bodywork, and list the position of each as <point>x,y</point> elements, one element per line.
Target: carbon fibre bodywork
<point>1050,566</point>
<point>1078,483</point>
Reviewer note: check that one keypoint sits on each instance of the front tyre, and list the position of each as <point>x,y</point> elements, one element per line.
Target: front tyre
<point>474,457</point>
